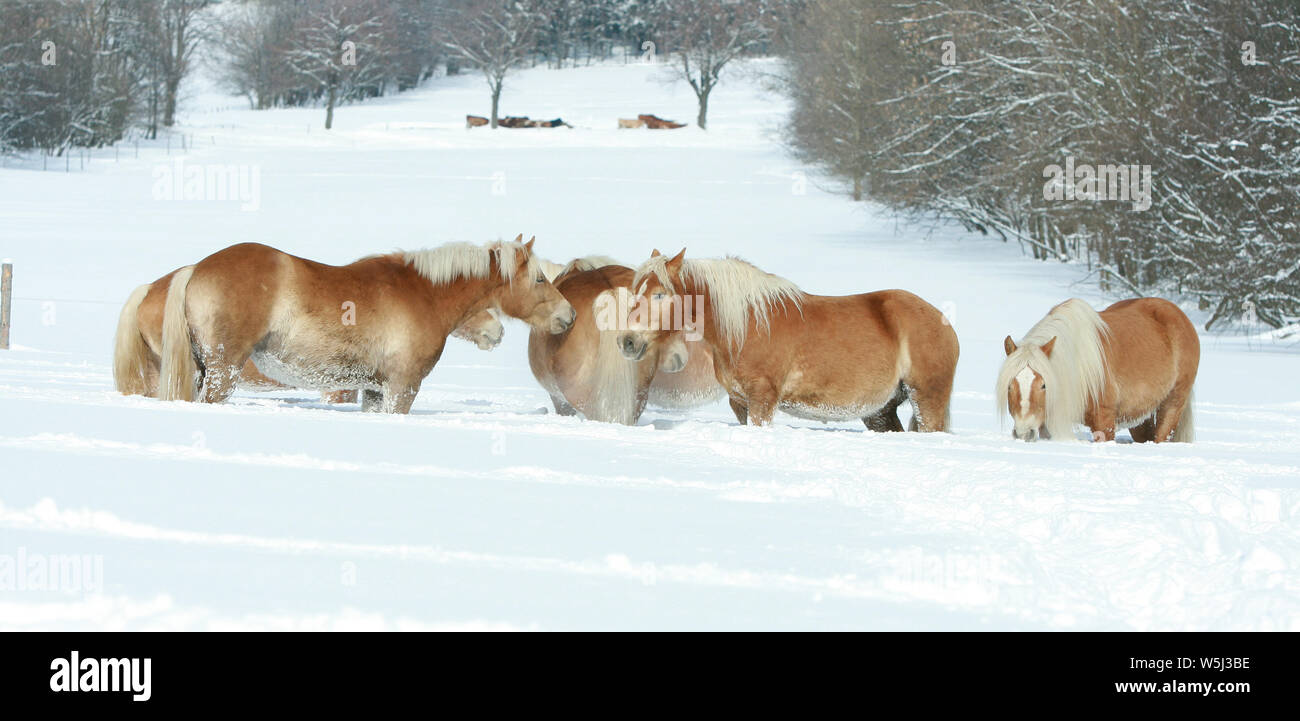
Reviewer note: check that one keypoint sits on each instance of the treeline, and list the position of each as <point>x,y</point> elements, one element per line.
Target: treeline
<point>83,72</point>
<point>87,72</point>
<point>286,52</point>
<point>975,110</point>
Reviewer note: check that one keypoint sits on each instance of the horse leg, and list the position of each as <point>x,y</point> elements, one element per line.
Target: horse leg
<point>929,387</point>
<point>152,375</point>
<point>740,409</point>
<point>398,397</point>
<point>1168,414</point>
<point>562,406</point>
<point>1144,431</point>
<point>1101,419</point>
<point>930,408</point>
<point>886,420</point>
<point>372,401</point>
<point>761,397</point>
<point>219,381</point>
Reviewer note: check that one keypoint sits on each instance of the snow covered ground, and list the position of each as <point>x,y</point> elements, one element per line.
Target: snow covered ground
<point>484,510</point>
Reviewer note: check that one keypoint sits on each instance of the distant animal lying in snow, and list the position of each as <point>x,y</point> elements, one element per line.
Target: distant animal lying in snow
<point>657,123</point>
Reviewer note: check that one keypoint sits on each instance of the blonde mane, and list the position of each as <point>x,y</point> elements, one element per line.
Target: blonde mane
<point>446,263</point>
<point>588,262</point>
<point>736,289</point>
<point>1076,372</point>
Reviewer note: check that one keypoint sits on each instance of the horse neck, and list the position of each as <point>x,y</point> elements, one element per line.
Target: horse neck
<point>704,311</point>
<point>458,299</point>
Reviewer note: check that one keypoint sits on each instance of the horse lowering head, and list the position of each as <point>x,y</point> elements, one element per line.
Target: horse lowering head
<point>483,329</point>
<point>673,356</point>
<point>527,294</point>
<point>1027,389</point>
<point>651,312</point>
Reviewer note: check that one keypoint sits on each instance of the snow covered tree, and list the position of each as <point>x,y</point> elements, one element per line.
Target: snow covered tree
<point>961,108</point>
<point>705,36</point>
<point>340,46</point>
<point>70,74</point>
<point>496,36</point>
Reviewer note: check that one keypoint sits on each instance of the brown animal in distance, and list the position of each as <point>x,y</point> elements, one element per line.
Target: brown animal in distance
<point>656,123</point>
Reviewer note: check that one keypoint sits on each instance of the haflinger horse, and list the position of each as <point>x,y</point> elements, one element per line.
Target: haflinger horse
<point>137,345</point>
<point>1131,366</point>
<point>827,358</point>
<point>584,370</point>
<point>379,324</point>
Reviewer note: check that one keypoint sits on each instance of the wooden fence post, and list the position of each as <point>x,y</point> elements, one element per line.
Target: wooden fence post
<point>6,301</point>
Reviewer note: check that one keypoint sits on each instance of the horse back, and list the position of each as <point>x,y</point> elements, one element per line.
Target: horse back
<point>886,327</point>
<point>1153,344</point>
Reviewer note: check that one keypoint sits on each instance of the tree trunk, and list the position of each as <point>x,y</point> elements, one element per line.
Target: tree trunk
<point>857,189</point>
<point>171,87</point>
<point>496,101</point>
<point>703,119</point>
<point>329,107</point>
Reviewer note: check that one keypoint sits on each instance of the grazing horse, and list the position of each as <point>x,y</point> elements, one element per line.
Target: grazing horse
<point>584,371</point>
<point>827,358</point>
<point>1131,366</point>
<point>379,324</point>
<point>137,345</point>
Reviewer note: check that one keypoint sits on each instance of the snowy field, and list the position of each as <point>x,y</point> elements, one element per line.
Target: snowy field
<point>485,510</point>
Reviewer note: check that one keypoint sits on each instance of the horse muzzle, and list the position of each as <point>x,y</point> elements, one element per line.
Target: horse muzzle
<point>632,347</point>
<point>674,363</point>
<point>563,321</point>
<point>488,341</point>
<point>1028,436</point>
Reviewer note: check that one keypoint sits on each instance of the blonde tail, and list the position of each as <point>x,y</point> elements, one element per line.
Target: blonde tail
<point>179,369</point>
<point>1186,430</point>
<point>130,352</point>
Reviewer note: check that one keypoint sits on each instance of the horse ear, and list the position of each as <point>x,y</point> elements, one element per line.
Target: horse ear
<point>1047,347</point>
<point>529,244</point>
<point>655,253</point>
<point>519,238</point>
<point>674,264</point>
<point>1009,345</point>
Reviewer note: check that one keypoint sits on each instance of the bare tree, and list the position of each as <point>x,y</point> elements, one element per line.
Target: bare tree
<point>340,48</point>
<point>961,108</point>
<point>705,36</point>
<point>176,42</point>
<point>494,35</point>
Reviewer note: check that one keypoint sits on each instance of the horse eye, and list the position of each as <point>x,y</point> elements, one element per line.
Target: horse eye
<point>660,296</point>
<point>541,279</point>
<point>1044,386</point>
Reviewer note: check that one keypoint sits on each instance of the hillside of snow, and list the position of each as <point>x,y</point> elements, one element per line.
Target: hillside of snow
<point>485,510</point>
